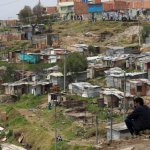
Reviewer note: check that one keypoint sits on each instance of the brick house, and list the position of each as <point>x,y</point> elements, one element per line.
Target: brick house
<point>70,9</point>
<point>50,10</point>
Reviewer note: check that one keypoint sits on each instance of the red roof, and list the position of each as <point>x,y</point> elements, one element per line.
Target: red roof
<point>28,73</point>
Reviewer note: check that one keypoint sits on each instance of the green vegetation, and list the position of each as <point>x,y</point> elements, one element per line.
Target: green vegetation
<point>28,67</point>
<point>91,48</point>
<point>75,63</point>
<point>131,70</point>
<point>5,29</point>
<point>29,101</point>
<point>8,76</point>
<point>145,31</point>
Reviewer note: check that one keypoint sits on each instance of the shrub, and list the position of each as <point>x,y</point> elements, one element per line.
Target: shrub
<point>91,48</point>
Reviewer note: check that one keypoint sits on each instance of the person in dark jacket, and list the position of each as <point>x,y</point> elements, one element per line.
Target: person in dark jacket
<point>139,119</point>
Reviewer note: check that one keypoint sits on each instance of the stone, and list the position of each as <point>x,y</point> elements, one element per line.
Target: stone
<point>97,147</point>
<point>128,148</point>
<point>146,132</point>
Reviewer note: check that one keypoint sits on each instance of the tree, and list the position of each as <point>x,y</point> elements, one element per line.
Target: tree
<point>39,72</point>
<point>75,63</point>
<point>8,76</point>
<point>145,31</point>
<point>24,13</point>
<point>91,49</point>
<point>37,10</point>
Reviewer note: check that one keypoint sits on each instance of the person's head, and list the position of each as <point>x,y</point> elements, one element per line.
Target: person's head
<point>138,101</point>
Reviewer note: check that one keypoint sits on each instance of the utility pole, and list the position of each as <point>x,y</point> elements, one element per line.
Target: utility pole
<point>30,26</point>
<point>65,72</point>
<point>23,63</point>
<point>55,127</point>
<point>142,5</point>
<point>114,4</point>
<point>96,130</point>
<point>139,31</point>
<point>111,117</point>
<point>124,102</point>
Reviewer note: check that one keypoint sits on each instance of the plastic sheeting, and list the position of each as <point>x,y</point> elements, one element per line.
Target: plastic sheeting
<point>28,58</point>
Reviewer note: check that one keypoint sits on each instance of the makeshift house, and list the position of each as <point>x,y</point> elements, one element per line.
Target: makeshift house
<point>51,69</point>
<point>117,80</point>
<point>45,40</point>
<point>118,61</point>
<point>82,48</point>
<point>58,78</point>
<point>95,60</point>
<point>85,89</point>
<point>61,97</point>
<point>116,51</point>
<point>138,62</point>
<point>96,70</point>
<point>115,70</point>
<point>30,57</point>
<point>118,131</point>
<point>138,87</point>
<point>20,88</point>
<point>117,97</point>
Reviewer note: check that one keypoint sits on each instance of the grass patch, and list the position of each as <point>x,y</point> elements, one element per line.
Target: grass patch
<point>28,67</point>
<point>29,101</point>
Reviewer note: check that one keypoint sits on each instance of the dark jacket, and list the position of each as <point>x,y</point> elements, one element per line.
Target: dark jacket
<point>141,118</point>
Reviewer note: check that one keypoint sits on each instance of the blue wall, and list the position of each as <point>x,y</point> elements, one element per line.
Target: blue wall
<point>95,8</point>
<point>84,1</point>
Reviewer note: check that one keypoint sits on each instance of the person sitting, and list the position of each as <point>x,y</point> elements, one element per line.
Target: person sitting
<point>139,119</point>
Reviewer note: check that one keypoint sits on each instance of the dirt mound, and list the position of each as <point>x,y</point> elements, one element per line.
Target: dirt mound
<point>77,113</point>
<point>103,36</point>
<point>130,34</point>
<point>132,30</point>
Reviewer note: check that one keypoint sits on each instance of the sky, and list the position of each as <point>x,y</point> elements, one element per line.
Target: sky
<point>9,8</point>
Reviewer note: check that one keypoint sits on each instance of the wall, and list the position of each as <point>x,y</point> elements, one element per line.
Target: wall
<point>50,10</point>
<point>96,7</point>
<point>133,90</point>
<point>36,90</point>
<point>80,8</point>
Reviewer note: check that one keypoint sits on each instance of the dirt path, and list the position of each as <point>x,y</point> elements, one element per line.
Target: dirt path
<point>32,117</point>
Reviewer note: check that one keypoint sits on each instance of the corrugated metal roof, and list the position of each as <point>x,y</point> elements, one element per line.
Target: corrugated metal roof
<point>115,92</point>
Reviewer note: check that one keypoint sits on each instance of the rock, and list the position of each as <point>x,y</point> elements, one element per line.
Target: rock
<point>128,148</point>
<point>97,147</point>
<point>146,132</point>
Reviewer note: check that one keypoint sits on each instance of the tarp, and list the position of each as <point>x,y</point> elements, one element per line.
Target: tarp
<point>28,58</point>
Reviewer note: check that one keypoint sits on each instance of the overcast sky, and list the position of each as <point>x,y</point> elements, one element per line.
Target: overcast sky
<point>9,8</point>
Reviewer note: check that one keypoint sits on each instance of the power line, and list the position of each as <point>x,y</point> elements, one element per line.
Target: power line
<point>8,14</point>
<point>9,3</point>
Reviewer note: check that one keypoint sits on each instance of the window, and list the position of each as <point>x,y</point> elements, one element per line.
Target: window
<point>139,88</point>
<point>98,6</point>
<point>91,6</point>
<point>70,8</point>
<point>63,8</point>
